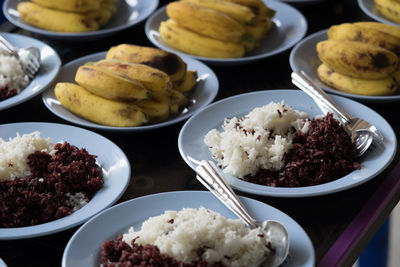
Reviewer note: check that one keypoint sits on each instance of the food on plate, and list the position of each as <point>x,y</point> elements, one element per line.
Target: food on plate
<point>189,237</point>
<point>98,109</point>
<point>276,145</point>
<point>110,84</point>
<point>361,58</point>
<point>12,78</point>
<point>389,9</point>
<point>384,86</point>
<point>170,63</point>
<point>133,86</point>
<point>67,16</point>
<point>358,60</point>
<point>228,29</point>
<point>41,181</point>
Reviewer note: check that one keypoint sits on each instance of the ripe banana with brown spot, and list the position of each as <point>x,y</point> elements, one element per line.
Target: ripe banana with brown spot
<point>240,13</point>
<point>260,28</point>
<point>353,32</point>
<point>389,9</point>
<point>196,44</point>
<point>174,98</point>
<point>110,85</point>
<point>168,62</point>
<point>358,60</point>
<point>389,29</point>
<point>101,15</point>
<point>205,21</point>
<point>187,83</point>
<point>157,111</point>
<point>55,20</point>
<point>79,6</point>
<point>378,87</point>
<point>151,78</point>
<point>98,109</point>
<point>258,7</point>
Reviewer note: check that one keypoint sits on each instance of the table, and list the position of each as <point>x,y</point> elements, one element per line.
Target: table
<point>339,225</point>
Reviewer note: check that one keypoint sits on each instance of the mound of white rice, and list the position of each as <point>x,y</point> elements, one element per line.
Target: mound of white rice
<point>14,153</point>
<point>259,140</point>
<point>183,234</point>
<point>11,72</point>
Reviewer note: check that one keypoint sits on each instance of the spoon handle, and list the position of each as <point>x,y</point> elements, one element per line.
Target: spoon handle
<point>325,103</point>
<point>208,174</point>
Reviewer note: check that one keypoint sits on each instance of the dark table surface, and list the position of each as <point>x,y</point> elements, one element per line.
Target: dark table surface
<point>158,167</point>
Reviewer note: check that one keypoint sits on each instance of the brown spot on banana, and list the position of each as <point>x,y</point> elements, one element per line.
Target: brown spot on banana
<point>380,60</point>
<point>168,63</point>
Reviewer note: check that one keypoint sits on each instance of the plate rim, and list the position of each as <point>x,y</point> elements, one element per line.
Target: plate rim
<point>55,225</point>
<point>261,190</point>
<point>363,98</point>
<point>203,194</point>
<point>84,36</point>
<point>144,128</point>
<point>371,14</point>
<point>16,100</point>
<point>231,61</point>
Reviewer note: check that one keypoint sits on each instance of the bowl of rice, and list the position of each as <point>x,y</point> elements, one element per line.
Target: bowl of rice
<point>15,86</point>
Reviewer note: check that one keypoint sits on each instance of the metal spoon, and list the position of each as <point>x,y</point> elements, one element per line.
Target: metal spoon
<point>360,131</point>
<point>275,232</point>
<point>29,58</point>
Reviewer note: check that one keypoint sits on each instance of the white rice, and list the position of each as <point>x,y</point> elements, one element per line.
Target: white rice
<point>182,234</point>
<point>259,140</point>
<point>11,72</point>
<point>14,153</point>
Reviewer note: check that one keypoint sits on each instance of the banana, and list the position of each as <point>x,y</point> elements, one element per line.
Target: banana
<point>101,16</point>
<point>352,32</point>
<point>205,21</point>
<point>151,78</point>
<point>379,87</point>
<point>389,9</point>
<point>168,62</point>
<point>55,20</point>
<point>79,6</point>
<point>187,83</point>
<point>196,44</point>
<point>389,29</point>
<point>358,60</point>
<point>174,98</point>
<point>258,7</point>
<point>111,7</point>
<point>240,13</point>
<point>156,111</point>
<point>260,28</point>
<point>98,109</point>
<point>110,85</point>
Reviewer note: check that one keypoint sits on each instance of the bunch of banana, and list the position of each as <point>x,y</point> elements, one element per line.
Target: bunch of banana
<point>361,58</point>
<point>128,92</point>
<point>215,28</point>
<point>67,15</point>
<point>389,9</point>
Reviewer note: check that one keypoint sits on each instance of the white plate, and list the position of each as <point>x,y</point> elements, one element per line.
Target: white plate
<point>191,144</point>
<point>49,68</point>
<point>203,94</point>
<point>83,249</point>
<point>114,163</point>
<point>129,13</point>
<point>289,27</point>
<point>304,57</point>
<point>368,7</point>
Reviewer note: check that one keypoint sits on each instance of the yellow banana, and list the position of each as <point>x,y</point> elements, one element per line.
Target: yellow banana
<point>98,109</point>
<point>157,111</point>
<point>358,60</point>
<point>260,28</point>
<point>168,62</point>
<point>205,21</point>
<point>187,83</point>
<point>101,15</point>
<point>240,13</point>
<point>55,20</point>
<point>352,32</point>
<point>389,29</point>
<point>379,87</point>
<point>258,7</point>
<point>196,44</point>
<point>111,7</point>
<point>174,98</point>
<point>389,9</point>
<point>151,78</point>
<point>109,84</point>
<point>79,6</point>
